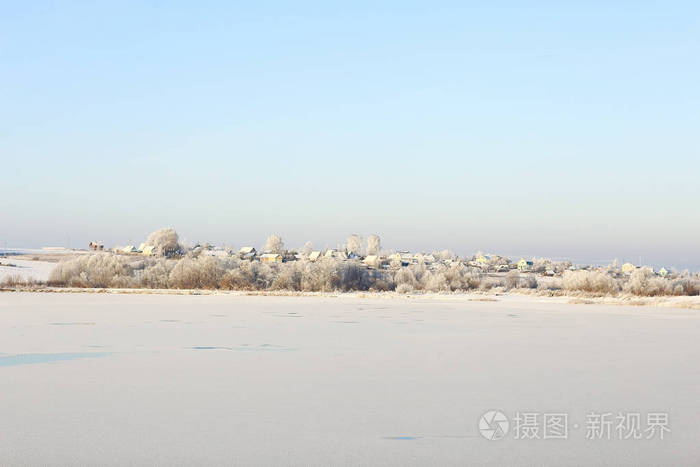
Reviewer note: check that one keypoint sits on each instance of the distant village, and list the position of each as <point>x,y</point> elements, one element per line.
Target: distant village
<point>163,261</point>
<point>486,263</point>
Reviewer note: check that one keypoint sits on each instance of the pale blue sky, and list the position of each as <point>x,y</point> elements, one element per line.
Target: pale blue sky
<point>552,129</point>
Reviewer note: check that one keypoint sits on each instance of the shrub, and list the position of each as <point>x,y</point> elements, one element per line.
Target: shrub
<point>489,283</point>
<point>289,277</point>
<point>98,270</point>
<point>202,272</point>
<point>243,276</point>
<point>590,281</point>
<point>474,279</point>
<point>15,280</point>
<point>644,282</point>
<point>512,280</point>
<point>354,276</point>
<point>528,282</point>
<point>455,277</point>
<point>684,286</point>
<point>404,276</point>
<point>434,282</point>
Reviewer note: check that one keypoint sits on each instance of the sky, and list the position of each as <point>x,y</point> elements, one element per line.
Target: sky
<point>542,128</point>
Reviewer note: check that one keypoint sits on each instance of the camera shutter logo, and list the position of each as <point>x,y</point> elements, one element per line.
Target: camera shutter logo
<point>493,425</point>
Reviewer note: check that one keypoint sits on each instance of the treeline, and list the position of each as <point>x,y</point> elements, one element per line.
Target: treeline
<point>198,271</point>
<point>642,282</point>
<point>231,273</point>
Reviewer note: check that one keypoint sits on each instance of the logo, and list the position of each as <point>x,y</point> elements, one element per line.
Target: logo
<point>493,425</point>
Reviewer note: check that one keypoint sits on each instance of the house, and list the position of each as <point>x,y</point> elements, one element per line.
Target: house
<point>290,256</point>
<point>129,249</point>
<point>428,259</point>
<point>271,258</point>
<point>663,272</point>
<point>407,259</point>
<point>372,261</point>
<point>314,256</point>
<point>96,246</point>
<point>247,252</point>
<point>148,250</point>
<point>627,268</point>
<point>524,265</point>
<point>336,254</point>
<point>218,253</point>
<point>482,260</point>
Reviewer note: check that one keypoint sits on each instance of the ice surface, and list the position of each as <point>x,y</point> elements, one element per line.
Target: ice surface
<point>233,380</point>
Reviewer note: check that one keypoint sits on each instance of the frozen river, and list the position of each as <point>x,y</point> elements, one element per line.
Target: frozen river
<point>103,379</point>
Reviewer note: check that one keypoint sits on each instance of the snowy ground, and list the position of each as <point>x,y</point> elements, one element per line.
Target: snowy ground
<point>106,379</point>
<point>25,268</point>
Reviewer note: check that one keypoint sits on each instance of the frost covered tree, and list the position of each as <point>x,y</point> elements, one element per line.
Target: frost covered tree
<point>445,255</point>
<point>354,244</point>
<point>307,249</point>
<point>373,245</point>
<point>164,240</point>
<point>274,244</point>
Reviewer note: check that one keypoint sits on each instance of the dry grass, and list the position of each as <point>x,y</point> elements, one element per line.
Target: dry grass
<point>17,281</point>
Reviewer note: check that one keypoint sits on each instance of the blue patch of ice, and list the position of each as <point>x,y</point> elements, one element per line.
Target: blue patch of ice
<point>206,347</point>
<point>75,323</point>
<point>28,359</point>
<point>245,348</point>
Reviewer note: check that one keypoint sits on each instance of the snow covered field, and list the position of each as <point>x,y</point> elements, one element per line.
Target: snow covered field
<point>24,268</point>
<point>109,379</point>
